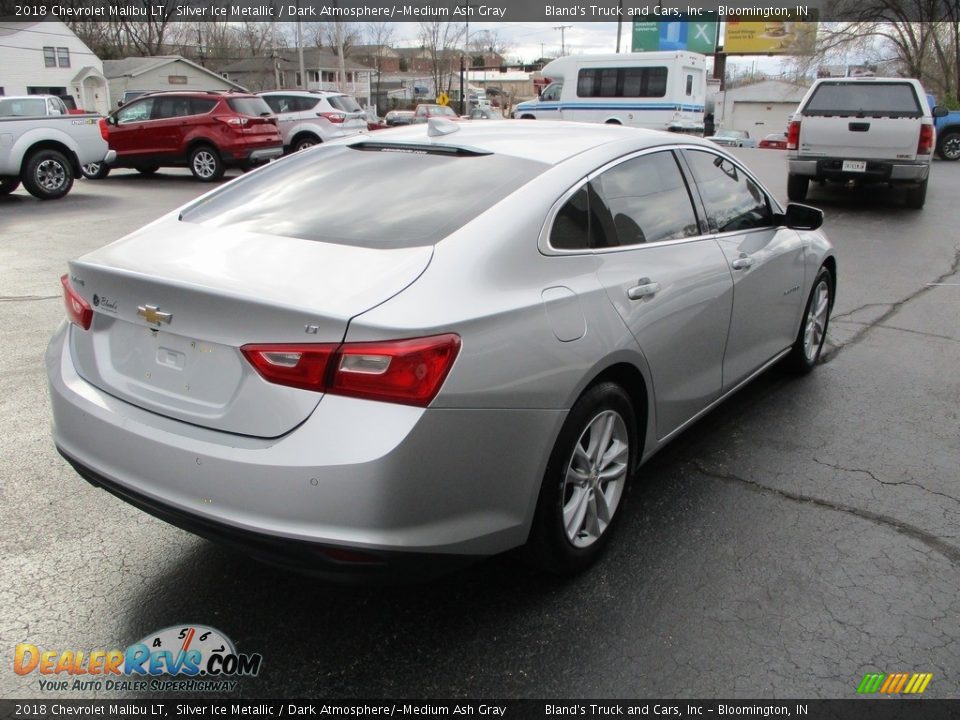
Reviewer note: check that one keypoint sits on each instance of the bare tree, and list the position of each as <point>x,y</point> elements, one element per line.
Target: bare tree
<point>483,42</point>
<point>380,35</point>
<point>921,38</point>
<point>440,40</point>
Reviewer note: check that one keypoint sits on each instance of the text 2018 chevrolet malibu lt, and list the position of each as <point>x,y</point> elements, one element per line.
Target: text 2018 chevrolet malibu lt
<point>443,342</point>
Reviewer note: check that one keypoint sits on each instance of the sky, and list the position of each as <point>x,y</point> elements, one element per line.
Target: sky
<point>528,41</point>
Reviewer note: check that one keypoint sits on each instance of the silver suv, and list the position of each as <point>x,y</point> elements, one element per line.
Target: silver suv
<point>307,118</point>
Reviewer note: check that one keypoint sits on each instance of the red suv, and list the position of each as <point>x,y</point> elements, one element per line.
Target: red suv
<point>204,131</point>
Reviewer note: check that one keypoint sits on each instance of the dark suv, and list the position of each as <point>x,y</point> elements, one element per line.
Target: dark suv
<point>204,131</point>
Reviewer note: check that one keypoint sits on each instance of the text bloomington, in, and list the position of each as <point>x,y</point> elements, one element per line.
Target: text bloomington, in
<point>595,11</point>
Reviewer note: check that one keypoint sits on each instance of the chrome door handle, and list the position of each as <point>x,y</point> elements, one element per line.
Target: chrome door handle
<point>742,263</point>
<point>645,288</point>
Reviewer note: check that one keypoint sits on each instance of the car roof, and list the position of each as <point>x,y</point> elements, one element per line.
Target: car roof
<point>547,141</point>
<point>304,93</point>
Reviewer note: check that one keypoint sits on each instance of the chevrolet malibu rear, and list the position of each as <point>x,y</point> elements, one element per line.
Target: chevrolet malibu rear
<point>230,369</point>
<point>334,370</point>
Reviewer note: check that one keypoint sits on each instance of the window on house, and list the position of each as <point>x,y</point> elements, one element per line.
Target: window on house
<point>63,57</point>
<point>50,57</point>
<point>313,75</point>
<point>299,79</point>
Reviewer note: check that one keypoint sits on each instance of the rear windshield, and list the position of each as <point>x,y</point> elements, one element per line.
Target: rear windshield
<point>253,106</point>
<point>366,198</point>
<point>344,103</point>
<point>867,99</point>
<point>24,107</point>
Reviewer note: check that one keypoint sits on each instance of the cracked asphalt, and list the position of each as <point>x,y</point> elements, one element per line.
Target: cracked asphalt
<point>804,533</point>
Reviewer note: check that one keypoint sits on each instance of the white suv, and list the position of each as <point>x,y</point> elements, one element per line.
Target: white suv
<point>865,130</point>
<point>307,118</point>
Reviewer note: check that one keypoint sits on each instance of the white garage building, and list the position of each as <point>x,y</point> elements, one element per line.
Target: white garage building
<point>760,109</point>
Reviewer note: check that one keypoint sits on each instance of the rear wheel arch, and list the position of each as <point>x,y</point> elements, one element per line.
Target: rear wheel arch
<point>630,378</point>
<point>305,135</point>
<point>51,145</point>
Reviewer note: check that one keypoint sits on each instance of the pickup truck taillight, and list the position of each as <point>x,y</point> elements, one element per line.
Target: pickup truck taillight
<point>104,129</point>
<point>925,145</point>
<point>793,135</point>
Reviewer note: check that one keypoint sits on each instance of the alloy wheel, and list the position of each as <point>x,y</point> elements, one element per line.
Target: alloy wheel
<point>816,321</point>
<point>595,478</point>
<point>51,175</point>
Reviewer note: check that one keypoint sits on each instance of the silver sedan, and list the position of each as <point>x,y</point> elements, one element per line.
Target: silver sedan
<point>434,344</point>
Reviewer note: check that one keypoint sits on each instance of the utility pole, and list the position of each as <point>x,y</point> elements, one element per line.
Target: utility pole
<point>563,45</point>
<point>465,72</point>
<point>303,73</point>
<point>619,22</point>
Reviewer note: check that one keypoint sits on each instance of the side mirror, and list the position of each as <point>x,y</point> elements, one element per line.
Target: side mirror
<point>111,120</point>
<point>940,111</point>
<point>802,217</point>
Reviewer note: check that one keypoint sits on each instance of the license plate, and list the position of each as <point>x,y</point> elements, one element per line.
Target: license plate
<point>854,166</point>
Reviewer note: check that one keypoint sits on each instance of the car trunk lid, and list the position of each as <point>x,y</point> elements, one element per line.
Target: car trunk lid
<point>174,302</point>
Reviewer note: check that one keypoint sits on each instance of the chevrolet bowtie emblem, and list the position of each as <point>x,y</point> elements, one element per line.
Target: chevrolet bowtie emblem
<point>152,314</point>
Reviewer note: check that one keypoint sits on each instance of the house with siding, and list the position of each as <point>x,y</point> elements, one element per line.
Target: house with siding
<point>47,58</point>
<point>161,72</point>
<point>282,72</point>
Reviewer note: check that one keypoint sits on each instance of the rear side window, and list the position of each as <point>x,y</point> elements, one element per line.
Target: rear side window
<point>252,106</point>
<point>864,98</point>
<point>648,201</point>
<point>731,199</point>
<point>325,195</point>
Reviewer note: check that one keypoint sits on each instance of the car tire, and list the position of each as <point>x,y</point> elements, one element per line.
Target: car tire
<point>304,141</point>
<point>948,145</point>
<point>48,175</point>
<point>95,171</point>
<point>149,170</point>
<point>797,186</point>
<point>571,524</point>
<point>8,185</point>
<point>807,347</point>
<point>916,196</point>
<point>205,164</point>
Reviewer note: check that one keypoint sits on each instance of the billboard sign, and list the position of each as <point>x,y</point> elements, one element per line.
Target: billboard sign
<point>695,36</point>
<point>779,38</point>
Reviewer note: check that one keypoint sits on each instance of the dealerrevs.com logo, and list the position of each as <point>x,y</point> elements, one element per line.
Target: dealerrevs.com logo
<point>178,658</point>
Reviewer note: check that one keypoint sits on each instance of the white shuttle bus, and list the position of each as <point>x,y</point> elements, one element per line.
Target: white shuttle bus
<point>657,90</point>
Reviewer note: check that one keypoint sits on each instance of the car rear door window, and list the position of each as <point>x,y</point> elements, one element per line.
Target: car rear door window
<point>648,200</point>
<point>172,107</point>
<point>201,106</point>
<point>732,200</point>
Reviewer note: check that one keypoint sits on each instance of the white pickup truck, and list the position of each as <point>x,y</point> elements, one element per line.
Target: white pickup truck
<point>44,147</point>
<point>864,130</point>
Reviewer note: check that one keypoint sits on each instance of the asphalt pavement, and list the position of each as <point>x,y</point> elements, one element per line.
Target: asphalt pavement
<point>801,535</point>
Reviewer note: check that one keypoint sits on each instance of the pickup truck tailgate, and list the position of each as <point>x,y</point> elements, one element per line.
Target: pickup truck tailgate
<point>868,120</point>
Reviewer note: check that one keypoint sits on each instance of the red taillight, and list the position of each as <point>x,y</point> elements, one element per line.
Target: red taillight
<point>78,311</point>
<point>104,129</point>
<point>793,135</point>
<point>403,371</point>
<point>925,145</point>
<point>334,117</point>
<point>234,121</point>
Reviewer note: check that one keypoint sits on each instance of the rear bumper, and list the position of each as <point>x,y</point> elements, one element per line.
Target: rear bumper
<point>369,476</point>
<point>262,155</point>
<point>877,170</point>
